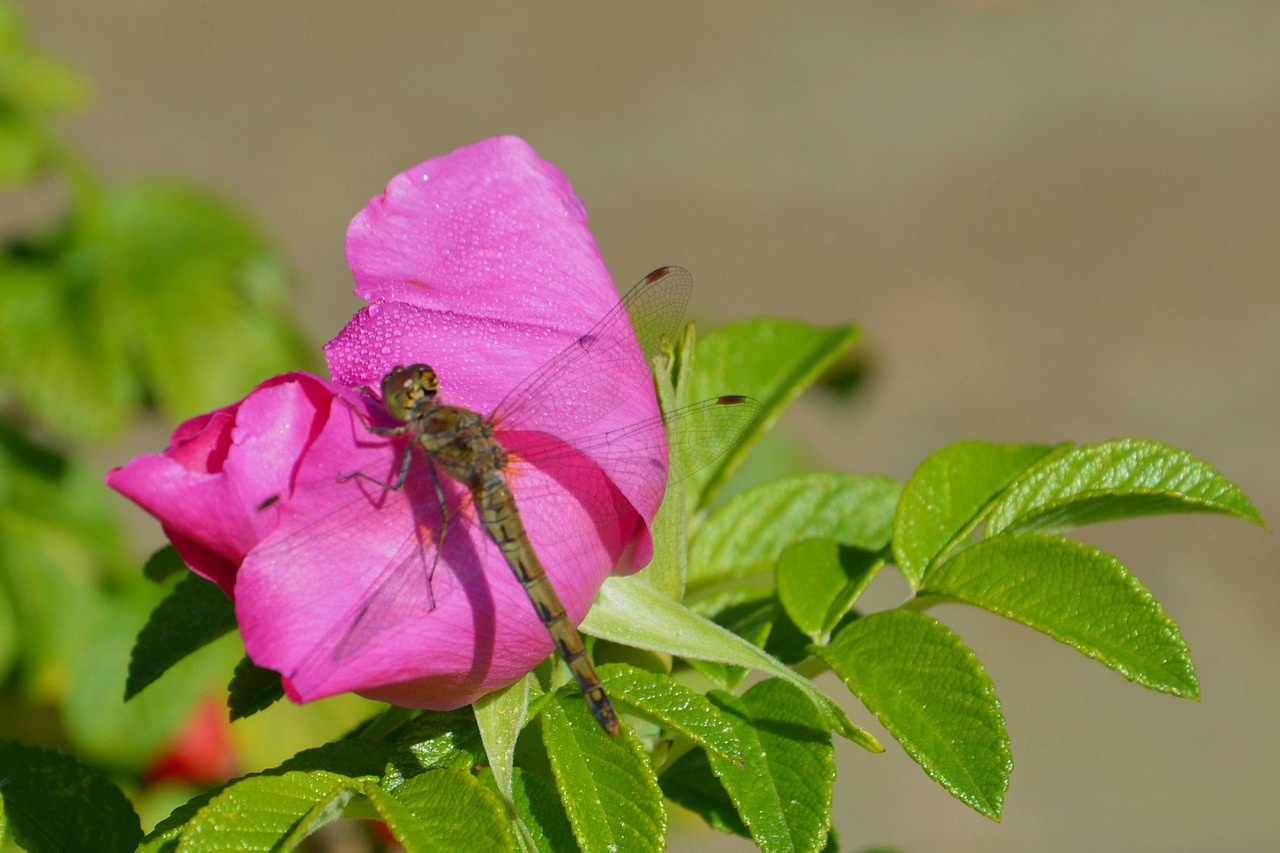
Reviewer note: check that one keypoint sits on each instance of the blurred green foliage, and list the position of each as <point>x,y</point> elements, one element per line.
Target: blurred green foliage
<point>132,302</point>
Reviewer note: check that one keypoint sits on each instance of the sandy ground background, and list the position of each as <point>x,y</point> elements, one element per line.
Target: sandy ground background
<point>1053,221</point>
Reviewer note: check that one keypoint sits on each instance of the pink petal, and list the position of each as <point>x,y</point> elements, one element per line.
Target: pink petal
<point>480,264</point>
<point>304,595</point>
<point>489,238</point>
<point>206,487</point>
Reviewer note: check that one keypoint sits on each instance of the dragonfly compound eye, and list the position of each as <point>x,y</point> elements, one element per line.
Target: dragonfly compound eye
<point>407,388</point>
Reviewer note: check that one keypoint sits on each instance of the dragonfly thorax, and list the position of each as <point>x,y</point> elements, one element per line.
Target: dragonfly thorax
<point>408,391</point>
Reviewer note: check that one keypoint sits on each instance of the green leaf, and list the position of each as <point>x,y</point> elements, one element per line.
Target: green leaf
<point>200,291</point>
<point>1117,479</point>
<point>432,741</point>
<point>690,782</point>
<point>771,359</point>
<point>782,791</point>
<point>749,613</point>
<point>606,784</point>
<point>500,717</point>
<point>450,811</point>
<point>130,734</point>
<point>948,495</point>
<point>929,690</point>
<point>666,571</point>
<point>164,564</point>
<point>354,758</point>
<point>59,546</point>
<point>1077,595</point>
<point>52,802</point>
<point>660,697</point>
<point>630,612</point>
<point>746,535</point>
<point>165,293</point>
<point>33,88</point>
<point>349,759</point>
<point>819,580</point>
<point>268,812</point>
<point>194,614</point>
<point>252,689</point>
<point>542,814</point>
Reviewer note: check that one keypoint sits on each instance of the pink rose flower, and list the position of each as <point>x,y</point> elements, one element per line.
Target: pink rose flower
<point>479,263</point>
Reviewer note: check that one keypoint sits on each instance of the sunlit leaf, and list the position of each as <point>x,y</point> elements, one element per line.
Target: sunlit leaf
<point>947,496</point>
<point>782,790</point>
<point>929,690</point>
<point>745,536</point>
<point>1077,595</point>
<point>606,784</point>
<point>818,581</point>
<point>1116,479</point>
<point>630,612</point>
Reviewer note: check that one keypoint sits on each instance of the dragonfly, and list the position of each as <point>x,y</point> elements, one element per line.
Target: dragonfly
<point>468,460</point>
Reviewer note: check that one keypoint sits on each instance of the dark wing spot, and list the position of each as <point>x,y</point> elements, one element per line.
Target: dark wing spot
<point>731,400</point>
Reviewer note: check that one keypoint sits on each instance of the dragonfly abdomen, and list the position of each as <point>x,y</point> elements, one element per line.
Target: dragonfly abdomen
<point>502,521</point>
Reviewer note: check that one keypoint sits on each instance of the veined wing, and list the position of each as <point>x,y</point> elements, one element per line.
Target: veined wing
<point>371,552</point>
<point>552,398</point>
<point>651,454</point>
<point>378,549</point>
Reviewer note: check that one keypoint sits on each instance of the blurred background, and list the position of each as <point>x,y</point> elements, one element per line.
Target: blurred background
<point>1052,221</point>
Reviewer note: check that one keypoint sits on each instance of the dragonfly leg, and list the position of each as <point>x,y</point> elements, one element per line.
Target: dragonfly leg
<point>401,477</point>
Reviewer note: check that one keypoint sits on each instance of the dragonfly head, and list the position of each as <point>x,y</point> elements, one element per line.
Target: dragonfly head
<point>407,390</point>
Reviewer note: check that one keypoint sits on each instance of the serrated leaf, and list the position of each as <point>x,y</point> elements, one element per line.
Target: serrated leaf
<point>131,734</point>
<point>433,741</point>
<point>353,758</point>
<point>449,811</point>
<point>194,614</point>
<point>630,612</point>
<point>771,359</point>
<point>500,717</point>
<point>929,690</point>
<point>746,535</point>
<point>53,802</point>
<point>690,782</point>
<point>782,790</point>
<point>1079,596</point>
<point>264,812</point>
<point>947,496</point>
<point>1116,479</point>
<point>541,813</point>
<point>252,689</point>
<point>819,580</point>
<point>350,759</point>
<point>163,564</point>
<point>606,784</point>
<point>676,707</point>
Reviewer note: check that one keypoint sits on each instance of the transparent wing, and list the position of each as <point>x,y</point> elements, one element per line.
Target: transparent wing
<point>354,533</point>
<point>401,583</point>
<point>404,553</point>
<point>550,399</point>
<point>692,438</point>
